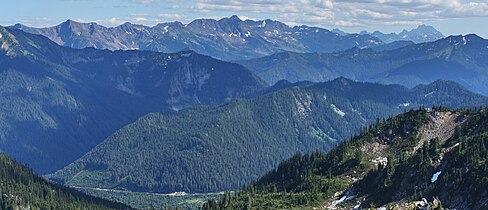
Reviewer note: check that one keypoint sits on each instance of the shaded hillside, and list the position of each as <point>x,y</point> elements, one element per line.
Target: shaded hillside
<point>20,188</point>
<point>213,148</point>
<point>462,59</point>
<point>70,100</point>
<point>426,153</point>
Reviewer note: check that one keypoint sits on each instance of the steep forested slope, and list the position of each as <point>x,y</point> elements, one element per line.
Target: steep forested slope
<point>427,153</point>
<point>69,100</point>
<point>20,188</point>
<point>462,59</point>
<point>222,147</point>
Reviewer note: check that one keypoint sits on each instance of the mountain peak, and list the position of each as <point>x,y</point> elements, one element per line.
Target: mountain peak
<point>473,37</point>
<point>19,26</point>
<point>127,24</point>
<point>420,34</point>
<point>338,31</point>
<point>462,40</point>
<point>70,22</point>
<point>423,26</point>
<point>235,18</point>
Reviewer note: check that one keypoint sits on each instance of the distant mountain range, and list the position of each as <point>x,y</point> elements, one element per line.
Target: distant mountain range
<point>423,159</point>
<point>214,148</point>
<point>141,108</point>
<point>463,59</point>
<point>421,34</point>
<point>57,103</point>
<point>228,38</point>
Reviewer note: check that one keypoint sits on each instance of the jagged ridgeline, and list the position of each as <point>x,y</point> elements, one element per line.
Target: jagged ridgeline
<point>228,38</point>
<point>20,188</point>
<point>214,148</point>
<point>427,153</point>
<point>462,59</point>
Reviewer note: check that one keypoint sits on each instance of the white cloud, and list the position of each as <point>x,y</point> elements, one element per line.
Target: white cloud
<point>115,21</point>
<point>346,12</point>
<point>325,13</point>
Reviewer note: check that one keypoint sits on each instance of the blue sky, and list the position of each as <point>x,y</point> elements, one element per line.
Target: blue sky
<point>448,16</point>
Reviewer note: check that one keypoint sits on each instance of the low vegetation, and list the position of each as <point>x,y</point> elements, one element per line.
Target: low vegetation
<point>393,164</point>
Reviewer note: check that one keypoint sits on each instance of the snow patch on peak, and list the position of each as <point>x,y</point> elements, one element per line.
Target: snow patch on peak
<point>166,29</point>
<point>1,35</point>
<point>263,24</point>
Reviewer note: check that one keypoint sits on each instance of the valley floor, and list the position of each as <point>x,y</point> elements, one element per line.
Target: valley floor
<point>152,200</point>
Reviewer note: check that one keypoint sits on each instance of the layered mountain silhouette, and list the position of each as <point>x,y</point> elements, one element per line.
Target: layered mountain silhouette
<point>215,148</point>
<point>57,102</point>
<point>462,59</point>
<point>422,33</point>
<point>228,38</point>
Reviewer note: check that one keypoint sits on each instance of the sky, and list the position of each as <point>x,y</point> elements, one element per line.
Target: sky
<point>451,17</point>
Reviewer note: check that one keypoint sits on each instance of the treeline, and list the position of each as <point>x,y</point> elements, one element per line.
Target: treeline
<point>21,188</point>
<point>309,180</point>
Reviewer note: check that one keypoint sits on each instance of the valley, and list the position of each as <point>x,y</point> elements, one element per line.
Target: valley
<point>70,100</point>
<point>231,112</point>
<point>214,148</point>
<point>143,200</point>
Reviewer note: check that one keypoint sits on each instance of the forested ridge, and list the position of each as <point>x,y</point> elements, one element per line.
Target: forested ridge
<point>69,100</point>
<point>457,58</point>
<point>394,164</point>
<point>144,121</point>
<point>21,188</point>
<point>215,148</point>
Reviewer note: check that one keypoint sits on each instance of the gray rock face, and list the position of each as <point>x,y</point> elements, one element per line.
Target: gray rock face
<point>228,38</point>
<point>422,33</point>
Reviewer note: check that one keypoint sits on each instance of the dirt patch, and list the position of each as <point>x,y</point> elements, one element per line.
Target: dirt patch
<point>442,126</point>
